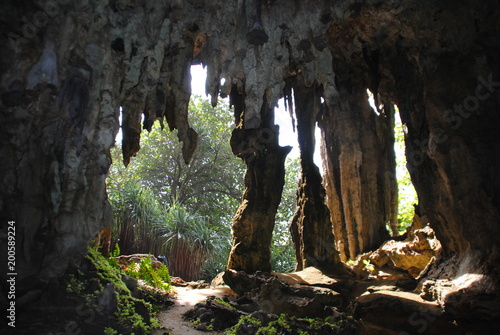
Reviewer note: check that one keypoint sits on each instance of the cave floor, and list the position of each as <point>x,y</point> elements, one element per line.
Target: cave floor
<point>185,299</point>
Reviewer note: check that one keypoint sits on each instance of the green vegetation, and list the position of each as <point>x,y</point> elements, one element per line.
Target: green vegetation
<point>136,214</point>
<point>98,288</point>
<point>164,207</point>
<point>225,303</point>
<point>106,272</point>
<point>282,251</point>
<point>406,191</point>
<point>126,315</point>
<point>247,322</point>
<point>110,331</point>
<point>276,327</point>
<point>368,266</point>
<point>189,241</point>
<point>156,277</point>
<point>112,260</point>
<point>291,325</point>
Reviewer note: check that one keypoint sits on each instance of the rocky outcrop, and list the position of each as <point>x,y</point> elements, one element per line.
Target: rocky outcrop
<point>389,312</point>
<point>443,76</point>
<point>213,315</point>
<point>273,295</point>
<point>413,256</point>
<point>466,295</point>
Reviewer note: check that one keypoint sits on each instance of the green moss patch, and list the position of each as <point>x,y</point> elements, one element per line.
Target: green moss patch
<point>103,302</point>
<point>269,324</point>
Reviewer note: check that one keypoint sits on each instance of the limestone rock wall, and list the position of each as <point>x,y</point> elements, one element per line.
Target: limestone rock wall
<point>67,67</point>
<point>439,63</point>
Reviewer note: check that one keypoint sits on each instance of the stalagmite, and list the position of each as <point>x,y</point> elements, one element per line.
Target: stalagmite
<point>253,222</point>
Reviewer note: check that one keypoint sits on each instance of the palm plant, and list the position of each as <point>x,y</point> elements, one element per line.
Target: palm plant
<point>136,216</point>
<point>187,239</point>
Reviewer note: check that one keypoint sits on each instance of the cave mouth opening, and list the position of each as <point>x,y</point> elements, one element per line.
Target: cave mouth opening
<point>283,259</point>
<point>150,190</point>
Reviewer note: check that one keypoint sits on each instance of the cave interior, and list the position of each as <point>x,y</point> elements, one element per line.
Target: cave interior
<point>67,67</point>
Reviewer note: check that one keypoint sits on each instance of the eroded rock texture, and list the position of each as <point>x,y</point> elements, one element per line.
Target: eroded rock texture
<point>359,164</point>
<point>253,222</point>
<point>439,64</point>
<point>67,67</point>
<point>311,226</point>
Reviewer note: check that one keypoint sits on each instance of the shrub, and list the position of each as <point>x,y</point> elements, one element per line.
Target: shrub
<point>155,277</point>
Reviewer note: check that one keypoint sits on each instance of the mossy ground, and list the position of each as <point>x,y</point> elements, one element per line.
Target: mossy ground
<point>290,325</point>
<point>97,301</point>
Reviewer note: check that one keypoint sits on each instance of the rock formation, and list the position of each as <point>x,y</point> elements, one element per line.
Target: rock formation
<point>311,225</point>
<point>412,256</point>
<point>253,222</point>
<point>359,164</point>
<point>442,75</point>
<point>67,67</point>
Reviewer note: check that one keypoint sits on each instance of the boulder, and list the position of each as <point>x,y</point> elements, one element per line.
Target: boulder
<point>215,314</point>
<point>177,281</point>
<point>296,300</point>
<point>414,254</point>
<point>106,300</point>
<point>396,259</point>
<point>218,280</point>
<point>386,312</point>
<point>274,295</point>
<point>308,276</point>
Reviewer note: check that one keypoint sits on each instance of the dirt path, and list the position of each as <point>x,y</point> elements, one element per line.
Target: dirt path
<point>186,298</point>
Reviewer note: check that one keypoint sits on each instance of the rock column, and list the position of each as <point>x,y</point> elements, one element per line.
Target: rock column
<point>311,226</point>
<point>253,222</point>
<point>359,165</point>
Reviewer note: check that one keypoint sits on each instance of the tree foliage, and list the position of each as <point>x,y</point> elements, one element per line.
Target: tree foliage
<point>406,192</point>
<point>282,252</point>
<point>211,183</point>
<point>163,206</point>
<point>189,241</point>
<point>137,212</point>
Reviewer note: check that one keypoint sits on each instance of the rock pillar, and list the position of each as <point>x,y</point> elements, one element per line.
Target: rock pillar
<point>359,165</point>
<point>311,226</point>
<point>253,222</point>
